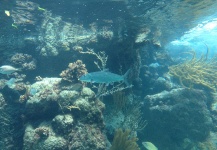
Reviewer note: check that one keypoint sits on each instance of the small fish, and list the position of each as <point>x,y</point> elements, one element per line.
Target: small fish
<point>7,13</point>
<point>11,83</point>
<point>154,65</point>
<point>15,26</point>
<point>41,9</point>
<point>104,76</point>
<point>149,146</point>
<point>6,69</point>
<point>33,91</point>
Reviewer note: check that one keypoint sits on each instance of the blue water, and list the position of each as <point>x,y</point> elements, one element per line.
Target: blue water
<point>168,46</point>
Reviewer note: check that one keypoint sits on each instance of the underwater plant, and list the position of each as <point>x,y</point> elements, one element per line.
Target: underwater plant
<point>197,71</point>
<point>129,107</point>
<point>123,141</point>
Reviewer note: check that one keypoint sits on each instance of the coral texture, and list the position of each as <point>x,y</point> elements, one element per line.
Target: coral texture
<point>74,117</point>
<point>74,71</point>
<point>172,116</point>
<point>196,72</point>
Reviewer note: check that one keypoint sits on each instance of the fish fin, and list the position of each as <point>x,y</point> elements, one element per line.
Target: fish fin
<point>149,146</point>
<point>126,76</point>
<point>19,69</point>
<point>92,81</point>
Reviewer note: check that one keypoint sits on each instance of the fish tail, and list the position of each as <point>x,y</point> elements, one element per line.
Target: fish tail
<point>126,77</point>
<point>19,69</point>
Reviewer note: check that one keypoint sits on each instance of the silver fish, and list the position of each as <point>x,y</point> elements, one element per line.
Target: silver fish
<point>104,77</point>
<point>149,146</point>
<point>11,83</point>
<point>6,69</point>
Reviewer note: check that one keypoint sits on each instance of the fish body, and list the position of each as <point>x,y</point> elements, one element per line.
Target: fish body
<point>154,65</point>
<point>6,69</point>
<point>149,146</point>
<point>104,76</point>
<point>11,83</point>
<point>32,91</point>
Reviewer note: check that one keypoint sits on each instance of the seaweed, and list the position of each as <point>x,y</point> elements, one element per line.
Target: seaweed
<point>123,141</point>
<point>197,71</point>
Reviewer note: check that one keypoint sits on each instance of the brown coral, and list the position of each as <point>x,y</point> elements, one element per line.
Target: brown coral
<point>24,61</point>
<point>74,71</point>
<point>41,132</point>
<point>123,141</point>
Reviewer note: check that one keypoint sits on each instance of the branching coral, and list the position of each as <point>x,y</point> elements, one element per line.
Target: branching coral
<point>122,141</point>
<point>74,71</point>
<point>101,56</point>
<point>197,71</point>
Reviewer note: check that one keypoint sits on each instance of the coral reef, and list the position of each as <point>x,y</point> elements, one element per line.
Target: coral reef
<point>42,132</point>
<point>62,124</point>
<point>197,71</point>
<point>24,61</point>
<point>90,113</point>
<point>174,115</point>
<point>43,138</point>
<point>74,117</point>
<point>87,137</point>
<point>63,114</point>
<point>44,101</point>
<point>106,33</point>
<point>123,141</point>
<point>4,124</point>
<point>25,13</point>
<point>69,36</point>
<point>11,130</point>
<point>124,112</point>
<point>204,145</point>
<point>74,71</point>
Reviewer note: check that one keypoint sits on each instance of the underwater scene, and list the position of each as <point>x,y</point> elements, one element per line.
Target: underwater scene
<point>108,75</point>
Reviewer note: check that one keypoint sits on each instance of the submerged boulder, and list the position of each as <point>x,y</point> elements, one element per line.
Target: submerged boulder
<point>178,114</point>
<point>43,98</point>
<point>43,138</point>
